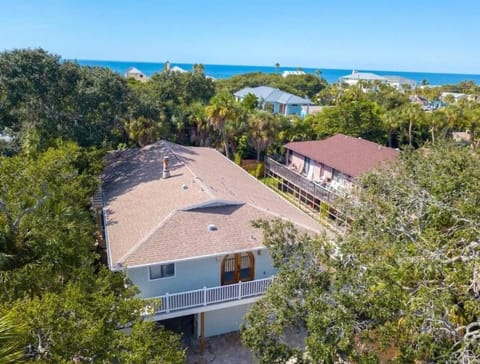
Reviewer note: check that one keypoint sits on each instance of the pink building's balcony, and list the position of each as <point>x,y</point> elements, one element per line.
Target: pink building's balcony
<point>322,191</point>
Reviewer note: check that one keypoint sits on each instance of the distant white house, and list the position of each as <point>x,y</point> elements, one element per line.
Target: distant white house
<point>178,69</point>
<point>4,138</point>
<point>136,74</point>
<point>400,82</point>
<point>283,102</point>
<point>312,109</point>
<point>292,73</point>
<point>395,81</point>
<point>355,77</point>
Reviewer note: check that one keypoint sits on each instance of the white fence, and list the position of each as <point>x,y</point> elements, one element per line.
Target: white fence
<point>210,296</point>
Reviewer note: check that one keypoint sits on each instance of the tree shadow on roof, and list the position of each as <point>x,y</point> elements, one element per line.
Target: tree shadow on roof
<point>132,167</point>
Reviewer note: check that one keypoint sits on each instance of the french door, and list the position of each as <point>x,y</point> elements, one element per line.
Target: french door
<point>238,267</point>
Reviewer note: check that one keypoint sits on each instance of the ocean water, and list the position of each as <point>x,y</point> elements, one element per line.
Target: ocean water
<point>330,74</point>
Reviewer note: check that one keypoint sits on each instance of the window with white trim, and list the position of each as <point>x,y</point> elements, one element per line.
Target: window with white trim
<point>162,271</point>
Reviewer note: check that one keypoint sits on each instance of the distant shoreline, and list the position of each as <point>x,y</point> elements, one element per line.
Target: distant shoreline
<point>331,75</point>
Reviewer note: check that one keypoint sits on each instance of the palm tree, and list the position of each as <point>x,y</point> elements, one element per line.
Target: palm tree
<point>391,121</point>
<point>414,114</point>
<point>472,120</point>
<point>263,129</point>
<point>142,130</point>
<point>199,121</point>
<point>437,120</point>
<point>198,68</point>
<point>454,117</point>
<point>10,351</point>
<point>222,108</point>
<point>277,67</point>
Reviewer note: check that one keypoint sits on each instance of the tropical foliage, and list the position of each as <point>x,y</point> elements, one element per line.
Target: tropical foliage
<point>53,286</point>
<point>403,283</point>
<point>404,279</point>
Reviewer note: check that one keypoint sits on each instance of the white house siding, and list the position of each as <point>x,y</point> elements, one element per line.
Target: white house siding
<point>295,162</point>
<point>263,264</point>
<point>276,107</point>
<point>286,109</point>
<point>293,110</point>
<point>327,172</point>
<point>193,274</point>
<point>223,321</point>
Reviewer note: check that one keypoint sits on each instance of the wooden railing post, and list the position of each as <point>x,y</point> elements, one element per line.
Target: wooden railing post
<point>204,296</point>
<point>167,305</point>
<point>240,290</point>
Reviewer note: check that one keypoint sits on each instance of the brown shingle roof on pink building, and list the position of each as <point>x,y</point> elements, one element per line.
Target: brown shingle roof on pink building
<point>151,220</point>
<point>349,155</point>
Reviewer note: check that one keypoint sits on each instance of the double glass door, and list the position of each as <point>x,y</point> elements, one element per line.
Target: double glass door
<point>238,267</point>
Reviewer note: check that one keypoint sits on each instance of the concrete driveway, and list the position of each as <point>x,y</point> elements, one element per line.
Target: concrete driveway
<point>221,349</point>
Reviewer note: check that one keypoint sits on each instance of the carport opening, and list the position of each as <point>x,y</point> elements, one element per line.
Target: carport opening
<point>184,325</point>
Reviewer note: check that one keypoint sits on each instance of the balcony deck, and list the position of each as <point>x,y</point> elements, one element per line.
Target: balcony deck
<point>314,198</point>
<point>207,299</point>
<point>315,189</point>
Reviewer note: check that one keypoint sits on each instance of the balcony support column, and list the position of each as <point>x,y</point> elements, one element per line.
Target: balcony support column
<point>202,332</point>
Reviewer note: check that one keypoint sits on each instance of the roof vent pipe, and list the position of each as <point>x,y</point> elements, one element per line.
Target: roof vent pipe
<point>166,171</point>
<point>212,227</point>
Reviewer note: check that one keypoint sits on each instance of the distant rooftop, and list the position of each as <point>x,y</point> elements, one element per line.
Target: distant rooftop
<point>461,136</point>
<point>178,69</point>
<point>293,73</point>
<point>349,155</point>
<point>135,73</point>
<point>133,70</point>
<point>270,94</point>
<point>368,76</point>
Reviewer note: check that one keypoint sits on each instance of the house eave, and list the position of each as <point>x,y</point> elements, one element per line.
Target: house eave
<point>124,266</point>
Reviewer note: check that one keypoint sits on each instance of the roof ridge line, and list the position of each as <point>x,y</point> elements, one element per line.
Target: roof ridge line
<point>284,217</point>
<point>137,245</point>
<point>205,187</point>
<point>276,195</point>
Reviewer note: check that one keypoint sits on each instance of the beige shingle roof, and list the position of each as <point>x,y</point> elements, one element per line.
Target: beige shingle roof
<point>151,220</point>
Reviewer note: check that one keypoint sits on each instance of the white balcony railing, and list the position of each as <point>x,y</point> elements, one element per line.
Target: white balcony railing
<point>209,296</point>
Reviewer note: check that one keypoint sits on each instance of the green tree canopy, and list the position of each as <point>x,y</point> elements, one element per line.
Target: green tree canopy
<point>46,228</point>
<point>93,319</point>
<point>168,98</point>
<point>263,127</point>
<point>358,118</point>
<point>306,85</point>
<point>53,286</point>
<point>402,283</point>
<point>59,99</point>
<point>223,112</point>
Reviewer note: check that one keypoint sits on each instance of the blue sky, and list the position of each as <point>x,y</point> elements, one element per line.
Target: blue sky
<point>403,35</point>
